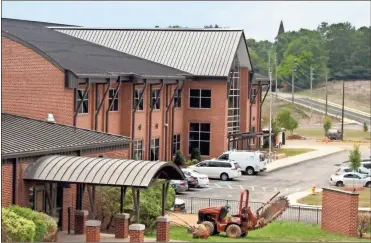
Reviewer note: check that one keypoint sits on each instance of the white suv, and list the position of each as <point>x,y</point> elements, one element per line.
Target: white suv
<point>218,169</point>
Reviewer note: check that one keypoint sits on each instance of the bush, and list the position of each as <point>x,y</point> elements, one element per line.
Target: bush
<point>16,227</point>
<point>196,154</point>
<point>40,224</point>
<point>327,124</point>
<point>364,224</point>
<point>365,127</point>
<point>51,225</point>
<point>179,158</point>
<point>191,162</point>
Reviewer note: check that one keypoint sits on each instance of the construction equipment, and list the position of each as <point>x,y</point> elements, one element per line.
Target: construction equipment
<point>235,226</point>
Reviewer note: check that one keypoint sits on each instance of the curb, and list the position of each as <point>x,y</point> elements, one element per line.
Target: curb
<point>305,160</point>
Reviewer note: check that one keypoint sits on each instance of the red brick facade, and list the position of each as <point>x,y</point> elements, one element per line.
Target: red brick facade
<point>93,231</point>
<point>340,211</point>
<point>6,183</point>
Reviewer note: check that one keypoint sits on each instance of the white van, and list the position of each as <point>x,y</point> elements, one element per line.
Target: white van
<point>225,170</point>
<point>251,162</point>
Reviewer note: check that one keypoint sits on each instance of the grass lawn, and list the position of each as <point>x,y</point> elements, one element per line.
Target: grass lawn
<point>318,133</point>
<point>274,232</point>
<point>294,151</point>
<point>364,199</point>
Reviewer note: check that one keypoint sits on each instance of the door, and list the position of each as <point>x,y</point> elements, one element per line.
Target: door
<point>202,168</point>
<point>60,204</point>
<point>352,180</point>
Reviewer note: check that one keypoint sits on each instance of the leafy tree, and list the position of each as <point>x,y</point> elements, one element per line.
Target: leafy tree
<point>327,124</point>
<point>276,129</point>
<point>196,154</point>
<point>293,124</point>
<point>179,158</point>
<point>355,158</point>
<point>285,120</point>
<point>365,127</point>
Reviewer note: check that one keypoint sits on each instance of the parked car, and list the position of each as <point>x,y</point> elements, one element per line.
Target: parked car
<point>347,169</point>
<point>192,181</point>
<point>179,185</point>
<point>179,206</point>
<point>333,134</point>
<point>350,179</point>
<point>218,169</point>
<point>203,180</point>
<point>250,162</point>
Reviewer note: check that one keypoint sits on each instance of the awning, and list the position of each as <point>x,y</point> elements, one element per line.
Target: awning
<point>101,171</point>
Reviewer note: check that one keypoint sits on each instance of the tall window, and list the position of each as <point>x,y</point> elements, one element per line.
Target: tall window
<point>137,95</point>
<point>199,137</point>
<point>85,102</point>
<point>155,149</point>
<point>200,98</point>
<point>177,98</point>
<point>234,99</point>
<point>155,94</point>
<point>138,150</point>
<point>253,97</point>
<point>176,143</point>
<point>115,100</point>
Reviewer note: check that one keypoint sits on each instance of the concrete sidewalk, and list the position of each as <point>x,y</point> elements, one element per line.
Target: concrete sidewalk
<point>320,151</point>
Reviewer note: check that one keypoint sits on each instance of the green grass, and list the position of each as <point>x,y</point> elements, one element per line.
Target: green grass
<point>319,133</point>
<point>364,199</point>
<point>274,232</point>
<point>294,151</point>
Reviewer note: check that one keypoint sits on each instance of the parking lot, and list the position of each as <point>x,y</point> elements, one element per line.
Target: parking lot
<point>287,180</point>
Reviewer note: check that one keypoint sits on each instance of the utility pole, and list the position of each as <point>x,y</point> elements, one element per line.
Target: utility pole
<point>342,114</point>
<point>292,85</point>
<point>327,72</point>
<point>270,108</point>
<point>275,69</point>
<point>311,90</point>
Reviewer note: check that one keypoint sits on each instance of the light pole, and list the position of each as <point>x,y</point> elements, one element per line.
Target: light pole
<point>270,117</point>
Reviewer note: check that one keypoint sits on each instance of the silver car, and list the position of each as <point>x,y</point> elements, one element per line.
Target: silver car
<point>351,179</point>
<point>179,185</point>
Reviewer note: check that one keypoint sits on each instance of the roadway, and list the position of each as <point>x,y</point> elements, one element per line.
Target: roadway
<point>352,115</point>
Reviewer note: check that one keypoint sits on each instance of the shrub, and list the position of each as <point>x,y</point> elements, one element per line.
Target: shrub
<point>41,226</point>
<point>179,158</point>
<point>365,127</point>
<point>16,227</point>
<point>327,124</point>
<point>191,162</point>
<point>364,224</point>
<point>196,154</point>
<point>51,225</point>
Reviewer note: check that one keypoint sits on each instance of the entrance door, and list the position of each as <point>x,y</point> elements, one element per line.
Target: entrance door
<point>60,204</point>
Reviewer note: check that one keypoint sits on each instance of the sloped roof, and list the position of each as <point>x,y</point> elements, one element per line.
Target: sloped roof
<point>101,171</point>
<point>21,136</point>
<point>79,56</point>
<point>201,52</point>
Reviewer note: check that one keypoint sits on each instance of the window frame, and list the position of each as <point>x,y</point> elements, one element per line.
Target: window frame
<point>156,149</point>
<point>200,98</point>
<point>110,99</point>
<point>78,99</point>
<point>199,137</point>
<point>176,143</point>
<point>138,148</point>
<point>136,99</point>
<point>179,103</point>
<point>157,94</point>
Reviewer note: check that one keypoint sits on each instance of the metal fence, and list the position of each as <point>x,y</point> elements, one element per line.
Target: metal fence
<point>305,214</point>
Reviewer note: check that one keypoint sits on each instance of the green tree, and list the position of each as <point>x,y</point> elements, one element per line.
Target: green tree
<point>365,127</point>
<point>285,120</point>
<point>195,154</point>
<point>179,158</point>
<point>327,124</point>
<point>355,158</point>
<point>276,129</point>
<point>293,124</point>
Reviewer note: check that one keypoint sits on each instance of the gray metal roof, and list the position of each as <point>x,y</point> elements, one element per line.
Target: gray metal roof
<point>202,52</point>
<point>21,136</point>
<point>101,171</point>
<point>79,56</point>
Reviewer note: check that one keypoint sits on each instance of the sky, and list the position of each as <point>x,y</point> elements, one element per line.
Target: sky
<point>259,19</point>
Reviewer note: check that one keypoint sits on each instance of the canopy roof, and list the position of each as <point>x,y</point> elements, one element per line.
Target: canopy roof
<point>101,171</point>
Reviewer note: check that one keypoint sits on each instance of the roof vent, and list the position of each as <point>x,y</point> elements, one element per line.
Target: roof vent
<point>50,118</point>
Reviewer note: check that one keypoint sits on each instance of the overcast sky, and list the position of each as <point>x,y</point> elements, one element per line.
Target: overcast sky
<point>260,20</point>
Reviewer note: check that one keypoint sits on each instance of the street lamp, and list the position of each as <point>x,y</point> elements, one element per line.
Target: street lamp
<point>270,117</point>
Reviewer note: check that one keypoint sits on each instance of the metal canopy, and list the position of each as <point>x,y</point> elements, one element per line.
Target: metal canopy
<point>101,171</point>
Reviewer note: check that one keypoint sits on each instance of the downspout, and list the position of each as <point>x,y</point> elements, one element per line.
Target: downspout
<point>110,106</point>
<point>80,104</point>
<point>101,103</point>
<point>150,116</point>
<point>134,111</point>
<point>14,192</point>
<point>167,116</point>
<point>172,115</point>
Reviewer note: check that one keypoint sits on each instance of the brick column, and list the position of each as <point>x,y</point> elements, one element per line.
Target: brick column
<point>81,216</point>
<point>137,232</point>
<point>163,229</point>
<point>93,231</point>
<point>339,211</point>
<point>122,225</point>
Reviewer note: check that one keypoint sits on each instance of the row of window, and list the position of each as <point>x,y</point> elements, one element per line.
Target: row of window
<point>199,137</point>
<point>198,98</point>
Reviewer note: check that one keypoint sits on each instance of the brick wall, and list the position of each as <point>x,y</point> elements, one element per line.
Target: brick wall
<point>6,183</point>
<point>32,86</point>
<point>339,211</point>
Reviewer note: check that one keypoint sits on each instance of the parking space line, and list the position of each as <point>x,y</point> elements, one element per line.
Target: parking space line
<point>253,188</point>
<point>263,188</point>
<point>229,186</point>
<point>241,188</point>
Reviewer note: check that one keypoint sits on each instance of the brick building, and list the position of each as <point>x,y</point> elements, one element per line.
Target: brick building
<point>168,89</point>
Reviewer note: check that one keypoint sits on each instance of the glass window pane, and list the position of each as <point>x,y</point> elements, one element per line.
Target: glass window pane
<point>194,136</point>
<point>194,127</point>
<point>194,92</point>
<point>206,93</point>
<point>205,127</point>
<point>206,103</point>
<point>205,148</point>
<point>194,102</point>
<point>205,136</point>
<point>192,145</point>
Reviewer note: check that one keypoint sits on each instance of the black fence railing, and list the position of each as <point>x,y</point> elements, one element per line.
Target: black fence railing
<point>305,214</point>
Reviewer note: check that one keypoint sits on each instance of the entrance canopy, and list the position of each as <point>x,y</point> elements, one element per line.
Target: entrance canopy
<point>101,171</point>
